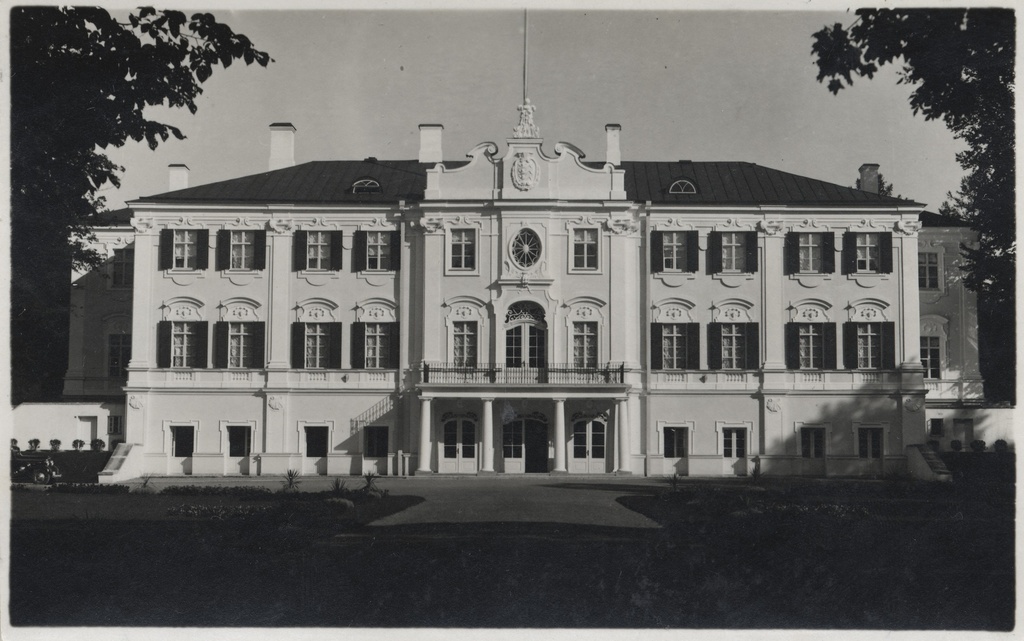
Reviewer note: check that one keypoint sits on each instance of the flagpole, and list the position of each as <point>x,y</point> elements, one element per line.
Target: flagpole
<point>525,37</point>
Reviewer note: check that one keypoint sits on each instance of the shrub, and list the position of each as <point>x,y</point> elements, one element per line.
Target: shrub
<point>78,444</point>
<point>14,443</point>
<point>33,444</point>
<point>19,487</point>
<point>55,444</point>
<point>344,504</point>
<point>219,512</point>
<point>337,486</point>
<point>934,445</point>
<point>291,481</point>
<point>97,444</point>
<point>956,445</point>
<point>1001,446</point>
<point>977,445</point>
<point>215,490</point>
<point>88,488</point>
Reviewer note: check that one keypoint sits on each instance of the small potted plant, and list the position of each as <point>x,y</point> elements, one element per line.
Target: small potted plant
<point>956,445</point>
<point>55,444</point>
<point>78,444</point>
<point>977,445</point>
<point>97,445</point>
<point>33,444</point>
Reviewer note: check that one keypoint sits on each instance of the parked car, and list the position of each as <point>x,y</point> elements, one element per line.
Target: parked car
<point>37,467</point>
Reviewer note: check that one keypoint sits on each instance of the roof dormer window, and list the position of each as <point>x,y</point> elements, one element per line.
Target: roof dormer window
<point>366,186</point>
<point>682,187</point>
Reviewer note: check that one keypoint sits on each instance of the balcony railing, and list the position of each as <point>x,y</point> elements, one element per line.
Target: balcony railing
<point>551,374</point>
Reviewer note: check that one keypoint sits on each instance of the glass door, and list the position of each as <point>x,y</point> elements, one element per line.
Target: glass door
<point>588,447</point>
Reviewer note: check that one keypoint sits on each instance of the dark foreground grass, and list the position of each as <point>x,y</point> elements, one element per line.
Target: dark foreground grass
<point>910,557</point>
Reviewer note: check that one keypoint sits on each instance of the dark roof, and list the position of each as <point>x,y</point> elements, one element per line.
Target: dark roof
<point>719,183</point>
<point>931,219</point>
<point>114,218</point>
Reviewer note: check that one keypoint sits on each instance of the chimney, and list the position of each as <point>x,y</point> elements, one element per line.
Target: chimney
<point>869,177</point>
<point>614,155</point>
<point>430,143</point>
<point>177,177</point>
<point>282,145</point>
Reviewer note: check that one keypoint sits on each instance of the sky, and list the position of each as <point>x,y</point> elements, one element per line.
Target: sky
<point>684,85</point>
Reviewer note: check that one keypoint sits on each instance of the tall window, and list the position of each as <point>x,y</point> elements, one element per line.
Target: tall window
<point>183,345</point>
<point>185,249</point>
<point>115,424</point>
<point>867,253</point>
<point>930,357</point>
<point>733,347</point>
<point>377,346</point>
<point>464,336</point>
<point>673,245</point>
<point>675,442</point>
<point>869,346</point>
<point>585,249</point>
<point>242,251</point>
<point>240,345</point>
<point>378,250</point>
<point>869,442</point>
<point>239,441</point>
<point>928,270</point>
<point>119,352</point>
<point>318,250</point>
<point>810,253</point>
<point>811,346</point>
<point>674,346</point>
<point>734,442</point>
<point>316,345</point>
<point>733,251</point>
<point>584,344</point>
<point>463,249</point>
<point>124,268</point>
<point>376,441</point>
<point>812,442</point>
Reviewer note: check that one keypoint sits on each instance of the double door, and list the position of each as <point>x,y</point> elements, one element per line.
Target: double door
<point>459,447</point>
<point>589,447</point>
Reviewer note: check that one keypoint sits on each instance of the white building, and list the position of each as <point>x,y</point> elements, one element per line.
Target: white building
<point>523,311</point>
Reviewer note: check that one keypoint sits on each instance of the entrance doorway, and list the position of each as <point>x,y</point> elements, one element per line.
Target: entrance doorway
<point>239,447</point>
<point>316,450</point>
<point>536,445</point>
<point>588,447</point>
<point>458,454</point>
<point>734,450</point>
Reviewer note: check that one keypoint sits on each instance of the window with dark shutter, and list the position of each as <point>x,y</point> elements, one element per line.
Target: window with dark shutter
<point>829,350</point>
<point>714,346</point>
<point>693,345</point>
<point>298,345</point>
<point>220,341</point>
<point>396,250</point>
<point>885,253</point>
<point>849,344</point>
<point>336,250</point>
<point>692,252</point>
<point>259,256</point>
<point>202,334</point>
<point>334,346</point>
<point>359,251</point>
<point>752,346</point>
<point>828,253</point>
<point>393,346</point>
<point>166,249</point>
<point>163,344</point>
<point>259,340</point>
<point>750,247</point>
<point>657,252</point>
<point>299,251</point>
<point>656,346</point>
<point>223,251</point>
<point>358,350</point>
<point>792,342</point>
<point>715,252</point>
<point>887,333</point>
<point>849,252</point>
<point>202,250</point>
<point>791,258</point>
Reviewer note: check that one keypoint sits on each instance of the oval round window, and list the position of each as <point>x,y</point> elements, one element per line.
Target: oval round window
<point>526,248</point>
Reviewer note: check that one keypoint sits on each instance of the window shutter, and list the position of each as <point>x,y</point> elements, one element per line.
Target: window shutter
<point>792,343</point>
<point>359,251</point>
<point>887,334</point>
<point>163,343</point>
<point>693,344</point>
<point>828,360</point>
<point>202,249</point>
<point>166,251</point>
<point>885,253</point>
<point>750,247</point>
<point>715,255</point>
<point>258,356</point>
<point>299,251</point>
<point>753,346</point>
<point>223,249</point>
<point>202,334</point>
<point>657,252</point>
<point>791,255</point>
<point>220,345</point>
<point>259,255</point>
<point>828,254</point>
<point>656,355</point>
<point>336,238</point>
<point>358,346</point>
<point>334,345</point>
<point>298,345</point>
<point>692,251</point>
<point>394,345</point>
<point>850,345</point>
<point>849,252</point>
<point>714,346</point>
<point>396,250</point>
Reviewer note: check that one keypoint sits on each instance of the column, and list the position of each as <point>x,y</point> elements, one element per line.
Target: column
<point>559,436</point>
<point>425,420</point>
<point>622,435</point>
<point>488,427</point>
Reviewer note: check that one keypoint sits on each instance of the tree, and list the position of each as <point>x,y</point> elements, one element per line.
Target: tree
<point>961,65</point>
<point>80,81</point>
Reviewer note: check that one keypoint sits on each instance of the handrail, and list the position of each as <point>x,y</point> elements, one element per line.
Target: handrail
<point>551,373</point>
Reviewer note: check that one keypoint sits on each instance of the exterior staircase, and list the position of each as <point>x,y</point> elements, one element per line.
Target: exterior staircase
<point>925,464</point>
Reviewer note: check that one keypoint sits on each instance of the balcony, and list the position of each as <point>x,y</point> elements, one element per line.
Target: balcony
<point>551,374</point>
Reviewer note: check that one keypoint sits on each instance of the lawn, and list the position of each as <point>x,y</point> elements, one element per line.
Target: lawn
<point>779,554</point>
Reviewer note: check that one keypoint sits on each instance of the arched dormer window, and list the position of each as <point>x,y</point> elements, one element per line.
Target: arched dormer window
<point>682,187</point>
<point>366,186</point>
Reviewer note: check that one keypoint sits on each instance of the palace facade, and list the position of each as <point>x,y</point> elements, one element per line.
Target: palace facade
<point>523,311</point>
